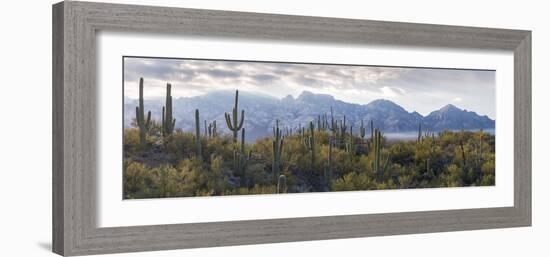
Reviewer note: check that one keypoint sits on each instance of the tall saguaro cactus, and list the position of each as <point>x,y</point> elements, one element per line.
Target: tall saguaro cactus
<point>198,145</point>
<point>333,123</point>
<point>343,129</point>
<point>277,149</point>
<point>343,126</point>
<point>325,122</point>
<point>310,143</point>
<point>168,122</point>
<point>371,130</point>
<point>377,146</point>
<point>419,138</point>
<point>350,146</point>
<point>143,123</point>
<point>378,167</point>
<point>328,169</point>
<point>233,121</point>
<point>240,159</point>
<point>362,131</point>
<point>205,129</point>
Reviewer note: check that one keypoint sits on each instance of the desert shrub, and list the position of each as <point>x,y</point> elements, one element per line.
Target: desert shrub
<point>263,150</point>
<point>137,180</point>
<point>180,144</point>
<point>220,146</point>
<point>453,176</point>
<point>364,164</point>
<point>354,182</point>
<point>402,152</point>
<point>487,180</point>
<point>131,140</point>
<point>405,181</point>
<point>166,181</point>
<point>257,189</point>
<point>257,174</point>
<point>217,179</point>
<point>194,177</point>
<point>488,167</point>
<point>449,159</point>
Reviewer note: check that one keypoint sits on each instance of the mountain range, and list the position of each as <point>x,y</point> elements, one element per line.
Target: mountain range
<point>262,111</point>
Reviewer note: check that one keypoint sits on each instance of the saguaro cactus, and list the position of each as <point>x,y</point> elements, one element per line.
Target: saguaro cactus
<point>371,130</point>
<point>333,123</point>
<point>328,168</point>
<point>168,122</point>
<point>205,129</point>
<point>143,123</point>
<point>310,143</point>
<point>212,129</point>
<point>343,130</point>
<point>350,146</point>
<point>277,149</point>
<point>198,134</point>
<point>343,126</point>
<point>281,185</point>
<point>419,138</point>
<point>240,159</point>
<point>379,168</point>
<point>362,131</point>
<point>377,151</point>
<point>233,121</point>
<point>325,122</point>
<point>428,170</point>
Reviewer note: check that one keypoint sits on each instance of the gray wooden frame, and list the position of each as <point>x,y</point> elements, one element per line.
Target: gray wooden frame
<point>74,130</point>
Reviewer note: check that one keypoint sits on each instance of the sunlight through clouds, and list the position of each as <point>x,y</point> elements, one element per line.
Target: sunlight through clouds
<point>416,89</point>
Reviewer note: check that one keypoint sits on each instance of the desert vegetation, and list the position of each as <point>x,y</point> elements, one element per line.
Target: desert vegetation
<point>326,154</point>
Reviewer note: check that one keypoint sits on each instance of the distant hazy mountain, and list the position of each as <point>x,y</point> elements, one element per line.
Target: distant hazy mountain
<point>451,117</point>
<point>261,112</point>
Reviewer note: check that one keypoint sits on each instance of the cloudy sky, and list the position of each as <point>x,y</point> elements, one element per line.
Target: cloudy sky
<point>421,90</point>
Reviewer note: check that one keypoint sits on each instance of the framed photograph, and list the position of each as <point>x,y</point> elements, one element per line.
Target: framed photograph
<point>183,128</point>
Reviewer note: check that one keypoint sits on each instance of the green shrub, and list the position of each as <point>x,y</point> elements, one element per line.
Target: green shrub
<point>354,182</point>
<point>168,166</point>
<point>137,180</point>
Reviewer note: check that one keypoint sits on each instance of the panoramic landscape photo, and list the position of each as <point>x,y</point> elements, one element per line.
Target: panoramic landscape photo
<point>197,127</point>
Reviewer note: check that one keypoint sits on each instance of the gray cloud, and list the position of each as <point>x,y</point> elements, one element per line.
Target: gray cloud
<point>265,77</point>
<point>416,89</point>
<point>217,73</point>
